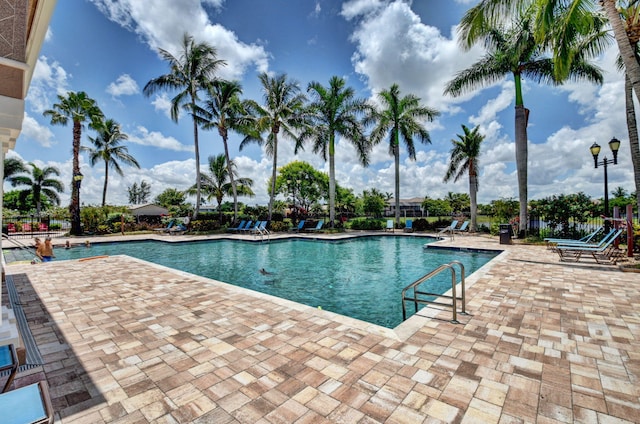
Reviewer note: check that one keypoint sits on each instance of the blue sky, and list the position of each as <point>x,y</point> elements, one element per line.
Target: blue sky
<point>108,48</point>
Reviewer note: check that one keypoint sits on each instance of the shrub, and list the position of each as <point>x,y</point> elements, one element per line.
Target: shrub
<point>366,224</point>
<point>421,225</point>
<point>278,226</point>
<point>200,225</point>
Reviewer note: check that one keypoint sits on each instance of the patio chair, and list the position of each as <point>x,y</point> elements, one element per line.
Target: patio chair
<point>11,227</point>
<point>390,226</point>
<point>463,228</point>
<point>27,405</point>
<point>606,251</point>
<point>450,228</point>
<point>318,226</point>
<point>249,227</point>
<point>586,239</point>
<point>8,362</point>
<point>43,227</point>
<point>260,228</point>
<point>578,243</point>
<point>26,228</point>
<point>408,226</point>
<point>300,226</point>
<point>238,227</point>
<point>167,228</point>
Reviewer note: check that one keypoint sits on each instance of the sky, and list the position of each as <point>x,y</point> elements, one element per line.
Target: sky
<point>109,49</point>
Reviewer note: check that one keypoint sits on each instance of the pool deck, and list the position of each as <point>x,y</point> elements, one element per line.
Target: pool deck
<point>125,341</point>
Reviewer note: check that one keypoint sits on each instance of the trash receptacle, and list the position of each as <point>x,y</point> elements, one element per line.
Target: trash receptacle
<point>505,233</point>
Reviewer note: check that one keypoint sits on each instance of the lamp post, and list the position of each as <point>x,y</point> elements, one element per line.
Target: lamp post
<point>614,145</point>
<point>76,228</point>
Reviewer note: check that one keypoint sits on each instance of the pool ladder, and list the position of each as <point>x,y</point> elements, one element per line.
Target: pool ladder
<point>416,292</point>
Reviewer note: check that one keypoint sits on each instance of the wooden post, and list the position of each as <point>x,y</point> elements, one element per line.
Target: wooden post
<point>630,231</point>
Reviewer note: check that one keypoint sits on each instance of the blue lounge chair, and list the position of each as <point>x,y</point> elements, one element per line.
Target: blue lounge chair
<point>300,226</point>
<point>27,405</point>
<point>238,227</point>
<point>167,228</point>
<point>249,227</point>
<point>578,243</point>
<point>260,228</point>
<point>408,226</point>
<point>390,226</point>
<point>450,228</point>
<point>552,241</point>
<point>605,250</point>
<point>462,228</point>
<point>318,226</point>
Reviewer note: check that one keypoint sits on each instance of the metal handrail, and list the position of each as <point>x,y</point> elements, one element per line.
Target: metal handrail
<point>415,284</point>
<point>20,245</point>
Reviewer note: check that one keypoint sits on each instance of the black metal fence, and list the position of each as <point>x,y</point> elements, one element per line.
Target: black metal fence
<point>540,227</point>
<point>30,226</point>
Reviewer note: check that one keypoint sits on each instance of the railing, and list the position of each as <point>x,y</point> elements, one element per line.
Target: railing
<point>416,300</point>
<point>29,226</point>
<point>30,250</point>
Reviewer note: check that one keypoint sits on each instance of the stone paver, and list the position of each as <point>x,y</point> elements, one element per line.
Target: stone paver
<point>126,341</point>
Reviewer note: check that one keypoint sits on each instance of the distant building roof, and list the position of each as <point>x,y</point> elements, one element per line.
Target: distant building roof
<point>148,209</point>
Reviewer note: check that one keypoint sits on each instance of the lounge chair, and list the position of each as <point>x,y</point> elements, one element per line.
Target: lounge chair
<point>579,243</point>
<point>238,227</point>
<point>408,226</point>
<point>462,228</point>
<point>450,228</point>
<point>247,228</point>
<point>318,226</point>
<point>390,226</point>
<point>27,405</point>
<point>605,251</point>
<point>260,228</point>
<point>8,362</point>
<point>300,226</point>
<point>167,228</point>
<point>586,239</point>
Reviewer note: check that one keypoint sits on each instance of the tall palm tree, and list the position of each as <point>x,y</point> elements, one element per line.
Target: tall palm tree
<point>335,111</point>
<point>107,148</point>
<point>464,160</point>
<point>190,73</point>
<point>514,50</point>
<point>283,109</point>
<point>218,184</point>
<point>400,117</point>
<point>224,110</point>
<point>79,108</point>
<point>566,19</point>
<point>40,184</point>
<point>13,166</point>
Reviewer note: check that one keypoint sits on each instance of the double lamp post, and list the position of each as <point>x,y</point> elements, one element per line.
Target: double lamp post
<point>614,145</point>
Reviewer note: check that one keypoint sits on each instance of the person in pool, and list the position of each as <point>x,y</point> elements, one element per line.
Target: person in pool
<point>265,272</point>
<point>45,251</point>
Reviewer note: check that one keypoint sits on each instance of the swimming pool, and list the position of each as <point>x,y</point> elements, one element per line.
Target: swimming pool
<point>360,277</point>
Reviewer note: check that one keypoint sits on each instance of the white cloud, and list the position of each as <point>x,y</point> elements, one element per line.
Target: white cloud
<point>32,130</point>
<point>162,103</point>
<point>163,25</point>
<point>144,137</point>
<point>123,86</point>
<point>48,77</point>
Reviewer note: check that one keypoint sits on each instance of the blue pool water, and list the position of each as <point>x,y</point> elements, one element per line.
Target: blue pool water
<point>362,277</point>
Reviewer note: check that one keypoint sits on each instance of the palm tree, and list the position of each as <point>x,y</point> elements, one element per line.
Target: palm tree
<point>107,148</point>
<point>40,184</point>
<point>334,111</point>
<point>566,20</point>
<point>401,118</point>
<point>218,184</point>
<point>191,72</point>
<point>283,109</point>
<point>514,50</point>
<point>79,108</point>
<point>13,166</point>
<point>464,159</point>
<point>224,110</point>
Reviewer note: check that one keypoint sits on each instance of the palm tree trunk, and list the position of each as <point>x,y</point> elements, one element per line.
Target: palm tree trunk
<point>396,158</point>
<point>522,115</point>
<point>627,52</point>
<point>233,181</point>
<point>106,180</point>
<point>274,174</point>
<point>473,195</point>
<point>74,206</point>
<point>332,179</point>
<point>632,129</point>
<point>197,153</point>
